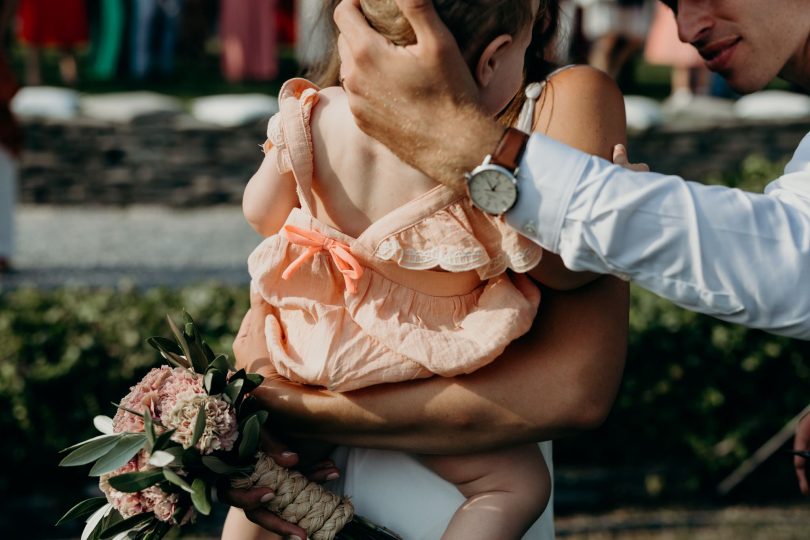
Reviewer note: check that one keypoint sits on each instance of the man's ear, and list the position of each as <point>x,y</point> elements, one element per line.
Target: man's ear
<point>490,59</point>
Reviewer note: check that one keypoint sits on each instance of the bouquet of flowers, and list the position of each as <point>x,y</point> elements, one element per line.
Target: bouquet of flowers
<point>180,430</point>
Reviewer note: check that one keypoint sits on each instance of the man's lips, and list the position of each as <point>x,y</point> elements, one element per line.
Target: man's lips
<point>717,54</point>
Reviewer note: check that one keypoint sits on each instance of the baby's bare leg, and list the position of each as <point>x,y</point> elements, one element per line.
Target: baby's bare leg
<point>506,491</point>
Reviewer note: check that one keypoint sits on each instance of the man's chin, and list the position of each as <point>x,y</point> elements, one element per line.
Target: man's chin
<point>743,86</point>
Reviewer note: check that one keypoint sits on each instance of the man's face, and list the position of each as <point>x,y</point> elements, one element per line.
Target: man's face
<point>749,42</point>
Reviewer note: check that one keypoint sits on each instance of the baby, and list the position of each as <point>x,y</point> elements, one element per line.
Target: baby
<point>375,273</point>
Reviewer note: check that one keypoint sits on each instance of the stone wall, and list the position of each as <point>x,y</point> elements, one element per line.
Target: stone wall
<point>169,160</point>
<point>175,161</point>
<point>696,154</point>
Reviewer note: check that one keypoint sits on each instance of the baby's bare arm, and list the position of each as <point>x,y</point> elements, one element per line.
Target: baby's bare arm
<point>269,196</point>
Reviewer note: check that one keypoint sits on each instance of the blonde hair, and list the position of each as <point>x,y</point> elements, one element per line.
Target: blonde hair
<point>473,23</point>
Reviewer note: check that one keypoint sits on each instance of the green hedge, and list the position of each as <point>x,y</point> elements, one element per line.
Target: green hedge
<point>698,397</point>
<point>66,354</point>
<point>698,394</point>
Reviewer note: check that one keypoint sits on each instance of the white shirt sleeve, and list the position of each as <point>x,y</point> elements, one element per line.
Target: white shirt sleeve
<point>739,256</point>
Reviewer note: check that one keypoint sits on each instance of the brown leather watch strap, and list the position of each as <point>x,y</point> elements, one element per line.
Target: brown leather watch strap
<point>510,149</point>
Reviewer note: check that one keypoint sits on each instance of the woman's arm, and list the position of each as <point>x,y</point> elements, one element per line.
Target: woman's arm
<point>269,196</point>
<point>560,378</point>
<point>583,108</point>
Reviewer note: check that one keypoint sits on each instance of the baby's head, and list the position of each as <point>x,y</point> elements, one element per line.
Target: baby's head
<point>493,36</point>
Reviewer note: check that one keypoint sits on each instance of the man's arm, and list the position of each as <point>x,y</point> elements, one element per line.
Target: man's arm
<point>738,256</point>
<point>561,378</point>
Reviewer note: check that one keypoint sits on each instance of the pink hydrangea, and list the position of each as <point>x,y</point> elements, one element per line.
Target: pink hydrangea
<point>173,397</point>
<point>156,392</point>
<point>127,504</point>
<point>152,499</point>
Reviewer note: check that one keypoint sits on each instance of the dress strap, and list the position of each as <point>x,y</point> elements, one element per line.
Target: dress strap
<point>533,92</point>
<point>290,132</point>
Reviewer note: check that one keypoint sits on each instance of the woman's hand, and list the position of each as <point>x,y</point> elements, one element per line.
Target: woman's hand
<point>802,444</point>
<point>418,100</point>
<point>253,501</point>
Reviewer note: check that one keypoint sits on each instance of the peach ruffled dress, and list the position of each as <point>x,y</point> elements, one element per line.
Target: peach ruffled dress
<point>423,291</point>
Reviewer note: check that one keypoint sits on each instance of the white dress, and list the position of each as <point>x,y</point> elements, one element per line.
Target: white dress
<point>394,490</point>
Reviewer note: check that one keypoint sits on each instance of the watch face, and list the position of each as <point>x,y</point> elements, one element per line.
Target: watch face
<point>493,190</point>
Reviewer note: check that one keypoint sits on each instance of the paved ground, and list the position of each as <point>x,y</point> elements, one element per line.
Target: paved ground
<point>147,245</point>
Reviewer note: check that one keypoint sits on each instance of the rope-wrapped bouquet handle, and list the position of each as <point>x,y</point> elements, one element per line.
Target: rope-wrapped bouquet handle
<point>182,429</point>
<point>297,500</point>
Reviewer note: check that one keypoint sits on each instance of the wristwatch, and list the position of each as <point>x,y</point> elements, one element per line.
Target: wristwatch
<point>492,186</point>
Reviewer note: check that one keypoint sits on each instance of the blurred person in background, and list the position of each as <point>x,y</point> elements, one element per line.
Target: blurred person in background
<point>249,40</point>
<point>61,24</point>
<point>10,143</point>
<point>689,76</point>
<point>313,21</point>
<point>107,22</point>
<point>150,18</point>
<point>615,29</point>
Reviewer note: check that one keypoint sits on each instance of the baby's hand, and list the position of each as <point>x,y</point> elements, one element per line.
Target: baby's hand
<point>620,158</point>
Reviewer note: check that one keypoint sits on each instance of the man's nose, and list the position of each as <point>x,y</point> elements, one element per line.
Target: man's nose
<point>695,19</point>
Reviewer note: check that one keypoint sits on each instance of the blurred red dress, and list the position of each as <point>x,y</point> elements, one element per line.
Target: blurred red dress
<point>249,39</point>
<point>61,23</point>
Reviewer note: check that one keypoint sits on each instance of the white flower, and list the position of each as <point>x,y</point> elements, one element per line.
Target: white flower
<point>220,431</point>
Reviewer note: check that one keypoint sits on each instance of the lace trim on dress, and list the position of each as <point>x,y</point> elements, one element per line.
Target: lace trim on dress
<point>460,238</point>
<point>459,259</point>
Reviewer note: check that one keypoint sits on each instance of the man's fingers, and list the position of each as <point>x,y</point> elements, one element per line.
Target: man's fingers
<point>620,155</point>
<point>346,64</point>
<point>268,520</point>
<point>426,24</point>
<point>352,23</point>
<point>801,473</point>
<point>800,443</point>
<point>620,158</point>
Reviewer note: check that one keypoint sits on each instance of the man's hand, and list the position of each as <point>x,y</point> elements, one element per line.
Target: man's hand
<point>418,100</point>
<point>620,158</point>
<point>802,443</point>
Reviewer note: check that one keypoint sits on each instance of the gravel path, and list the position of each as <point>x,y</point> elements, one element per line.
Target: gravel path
<point>143,244</point>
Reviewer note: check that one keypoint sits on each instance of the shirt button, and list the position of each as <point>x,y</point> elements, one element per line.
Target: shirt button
<point>529,228</point>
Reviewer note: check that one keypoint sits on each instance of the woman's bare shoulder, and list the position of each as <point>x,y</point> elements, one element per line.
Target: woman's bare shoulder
<point>583,107</point>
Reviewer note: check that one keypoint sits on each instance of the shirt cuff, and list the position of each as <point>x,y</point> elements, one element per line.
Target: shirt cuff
<point>547,177</point>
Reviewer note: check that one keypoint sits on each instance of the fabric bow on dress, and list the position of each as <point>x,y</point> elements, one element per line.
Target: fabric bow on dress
<point>315,241</point>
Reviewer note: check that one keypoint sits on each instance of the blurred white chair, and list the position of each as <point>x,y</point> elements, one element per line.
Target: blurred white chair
<point>642,112</point>
<point>773,104</point>
<point>124,107</point>
<point>49,102</point>
<point>229,110</point>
